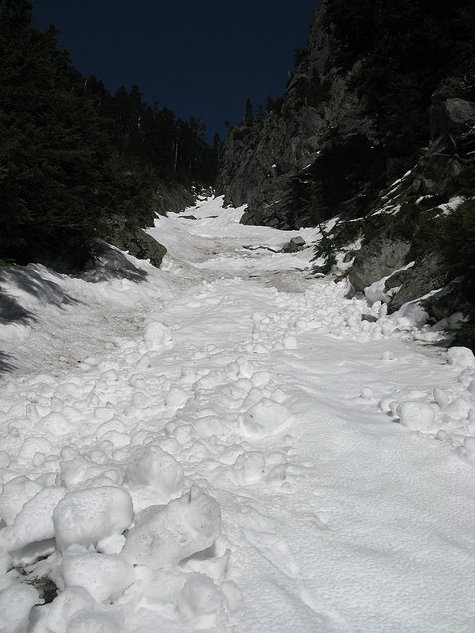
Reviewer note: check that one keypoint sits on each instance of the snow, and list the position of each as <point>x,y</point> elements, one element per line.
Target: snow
<point>228,446</point>
<point>168,535</point>
<point>88,516</point>
<point>102,575</point>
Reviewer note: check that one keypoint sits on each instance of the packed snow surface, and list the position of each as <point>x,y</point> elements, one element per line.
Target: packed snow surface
<point>227,445</point>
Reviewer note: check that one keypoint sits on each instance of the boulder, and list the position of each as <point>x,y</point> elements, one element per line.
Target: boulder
<point>417,281</point>
<point>129,237</point>
<point>294,245</point>
<point>377,259</point>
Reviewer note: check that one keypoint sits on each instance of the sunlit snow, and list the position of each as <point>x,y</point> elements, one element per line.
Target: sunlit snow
<point>229,446</point>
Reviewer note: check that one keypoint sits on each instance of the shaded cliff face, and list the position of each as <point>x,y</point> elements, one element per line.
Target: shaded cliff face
<point>356,115</point>
<point>267,163</point>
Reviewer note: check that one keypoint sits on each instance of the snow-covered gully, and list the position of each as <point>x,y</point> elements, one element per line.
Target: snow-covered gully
<point>227,446</point>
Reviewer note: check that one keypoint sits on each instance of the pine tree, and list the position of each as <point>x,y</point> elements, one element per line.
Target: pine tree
<point>249,116</point>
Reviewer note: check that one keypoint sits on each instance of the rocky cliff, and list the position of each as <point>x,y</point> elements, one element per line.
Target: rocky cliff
<point>376,128</point>
<point>266,163</point>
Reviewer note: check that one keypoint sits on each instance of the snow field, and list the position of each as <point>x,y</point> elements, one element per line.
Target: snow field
<point>234,452</point>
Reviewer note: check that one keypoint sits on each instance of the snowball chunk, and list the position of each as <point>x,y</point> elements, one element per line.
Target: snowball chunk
<point>418,416</point>
<point>15,606</point>
<point>69,602</point>
<point>56,424</point>
<point>103,575</point>
<point>152,466</point>
<point>87,516</point>
<point>250,466</point>
<point>34,522</point>
<point>266,417</point>
<point>185,526</point>
<point>200,601</point>
<point>460,357</point>
<point>5,561</point>
<point>157,336</point>
<point>14,494</point>
<point>92,623</point>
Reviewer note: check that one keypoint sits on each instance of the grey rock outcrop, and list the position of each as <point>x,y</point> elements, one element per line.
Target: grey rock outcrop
<point>417,281</point>
<point>294,245</point>
<point>452,138</point>
<point>264,163</point>
<point>173,198</point>
<point>377,259</point>
<point>133,239</point>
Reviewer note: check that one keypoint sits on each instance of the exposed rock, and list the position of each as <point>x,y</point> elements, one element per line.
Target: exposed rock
<point>369,317</point>
<point>377,259</point>
<point>453,139</point>
<point>265,164</point>
<point>417,281</point>
<point>448,301</point>
<point>133,239</point>
<point>173,198</point>
<point>294,245</point>
<point>397,279</point>
<point>349,256</point>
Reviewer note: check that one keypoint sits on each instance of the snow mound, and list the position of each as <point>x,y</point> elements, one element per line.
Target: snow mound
<point>93,623</point>
<point>185,526</point>
<point>104,576</point>
<point>152,466</point>
<point>460,357</point>
<point>71,601</point>
<point>157,337</point>
<point>267,417</point>
<point>86,516</point>
<point>34,522</point>
<point>200,602</point>
<point>15,605</point>
<point>15,493</point>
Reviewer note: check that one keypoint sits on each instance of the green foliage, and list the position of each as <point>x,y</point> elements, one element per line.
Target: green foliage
<point>347,175</point>
<point>71,153</point>
<point>326,248</point>
<point>405,50</point>
<point>465,336</point>
<point>456,242</point>
<point>300,56</point>
<point>464,183</point>
<point>249,115</point>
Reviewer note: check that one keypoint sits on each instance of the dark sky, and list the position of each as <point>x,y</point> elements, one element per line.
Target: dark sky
<point>197,58</point>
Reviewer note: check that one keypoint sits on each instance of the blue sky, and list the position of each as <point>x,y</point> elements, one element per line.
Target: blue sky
<point>197,58</point>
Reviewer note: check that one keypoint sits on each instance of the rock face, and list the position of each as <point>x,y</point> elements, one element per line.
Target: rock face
<point>377,259</point>
<point>131,238</point>
<point>266,163</point>
<point>417,281</point>
<point>452,138</point>
<point>173,199</point>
